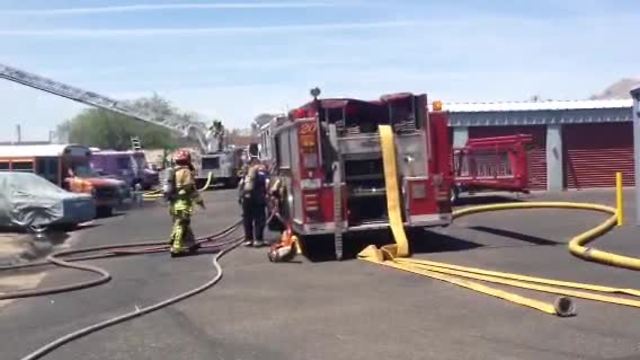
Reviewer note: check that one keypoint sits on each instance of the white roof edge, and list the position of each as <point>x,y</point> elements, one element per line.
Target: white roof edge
<point>538,105</point>
<point>7,151</point>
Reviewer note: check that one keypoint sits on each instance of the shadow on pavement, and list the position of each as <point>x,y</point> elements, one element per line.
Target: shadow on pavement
<point>116,213</point>
<point>56,237</point>
<point>322,249</point>
<point>516,235</point>
<point>49,230</point>
<point>486,200</point>
<point>424,241</point>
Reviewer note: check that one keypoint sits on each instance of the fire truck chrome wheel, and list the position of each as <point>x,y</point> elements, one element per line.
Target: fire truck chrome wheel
<point>455,194</point>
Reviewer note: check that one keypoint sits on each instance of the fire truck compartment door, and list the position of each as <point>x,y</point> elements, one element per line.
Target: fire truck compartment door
<point>411,155</point>
<point>360,147</point>
<point>363,147</point>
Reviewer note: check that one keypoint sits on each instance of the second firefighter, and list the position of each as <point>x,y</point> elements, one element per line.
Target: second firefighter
<point>253,198</point>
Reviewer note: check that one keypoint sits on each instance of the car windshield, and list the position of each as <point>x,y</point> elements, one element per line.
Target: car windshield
<point>123,163</point>
<point>30,183</point>
<point>84,171</point>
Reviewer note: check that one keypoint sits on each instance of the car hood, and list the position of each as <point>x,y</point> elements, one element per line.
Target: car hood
<point>102,181</point>
<point>77,197</point>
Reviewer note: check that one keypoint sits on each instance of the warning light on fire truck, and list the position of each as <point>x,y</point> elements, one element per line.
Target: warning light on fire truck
<point>437,105</point>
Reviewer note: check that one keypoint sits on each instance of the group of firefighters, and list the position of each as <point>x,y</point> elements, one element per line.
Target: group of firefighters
<point>182,194</point>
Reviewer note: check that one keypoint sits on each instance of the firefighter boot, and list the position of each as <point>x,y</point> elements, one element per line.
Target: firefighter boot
<point>190,240</point>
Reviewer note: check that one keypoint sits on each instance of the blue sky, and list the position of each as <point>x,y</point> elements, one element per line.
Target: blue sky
<point>235,59</point>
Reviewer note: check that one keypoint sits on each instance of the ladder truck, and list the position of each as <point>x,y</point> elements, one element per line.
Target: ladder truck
<point>328,159</point>
<point>190,129</point>
<point>220,159</point>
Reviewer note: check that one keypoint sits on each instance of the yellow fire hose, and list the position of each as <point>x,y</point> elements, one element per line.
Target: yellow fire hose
<point>394,256</point>
<point>157,194</point>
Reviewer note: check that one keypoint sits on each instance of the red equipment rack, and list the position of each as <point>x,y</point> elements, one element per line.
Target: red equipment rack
<point>495,163</point>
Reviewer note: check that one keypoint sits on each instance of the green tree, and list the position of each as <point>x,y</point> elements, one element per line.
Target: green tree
<point>109,130</point>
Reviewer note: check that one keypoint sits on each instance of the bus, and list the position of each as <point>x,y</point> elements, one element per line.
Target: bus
<point>130,166</point>
<point>68,166</point>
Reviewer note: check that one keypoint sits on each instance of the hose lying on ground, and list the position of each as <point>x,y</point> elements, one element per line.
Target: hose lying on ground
<point>461,275</point>
<point>577,243</point>
<point>115,250</point>
<point>39,353</point>
<point>394,255</point>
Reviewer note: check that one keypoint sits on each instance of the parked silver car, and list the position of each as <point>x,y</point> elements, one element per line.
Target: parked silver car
<point>28,200</point>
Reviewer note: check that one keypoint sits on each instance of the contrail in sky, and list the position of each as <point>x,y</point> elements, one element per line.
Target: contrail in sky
<point>238,30</point>
<point>161,7</point>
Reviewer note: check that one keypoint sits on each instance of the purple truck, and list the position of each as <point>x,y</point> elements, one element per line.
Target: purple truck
<point>130,166</point>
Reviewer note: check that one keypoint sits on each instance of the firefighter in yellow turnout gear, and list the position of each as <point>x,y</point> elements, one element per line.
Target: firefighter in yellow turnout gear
<point>182,198</point>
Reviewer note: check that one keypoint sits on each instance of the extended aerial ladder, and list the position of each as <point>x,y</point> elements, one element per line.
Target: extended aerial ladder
<point>186,128</point>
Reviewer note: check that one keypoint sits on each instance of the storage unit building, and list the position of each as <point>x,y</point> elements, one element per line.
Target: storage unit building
<point>595,152</point>
<point>577,144</point>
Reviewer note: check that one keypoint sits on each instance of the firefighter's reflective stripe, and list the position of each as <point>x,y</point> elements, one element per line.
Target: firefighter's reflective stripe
<point>387,145</point>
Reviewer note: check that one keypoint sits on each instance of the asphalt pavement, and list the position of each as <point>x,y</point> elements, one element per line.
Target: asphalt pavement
<point>336,310</point>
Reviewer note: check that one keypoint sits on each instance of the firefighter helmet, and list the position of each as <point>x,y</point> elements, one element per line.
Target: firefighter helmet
<point>182,157</point>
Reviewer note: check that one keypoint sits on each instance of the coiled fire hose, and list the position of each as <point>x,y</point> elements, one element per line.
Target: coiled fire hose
<point>394,256</point>
<point>219,245</point>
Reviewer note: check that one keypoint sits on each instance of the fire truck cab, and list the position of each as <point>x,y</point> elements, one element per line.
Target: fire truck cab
<point>327,155</point>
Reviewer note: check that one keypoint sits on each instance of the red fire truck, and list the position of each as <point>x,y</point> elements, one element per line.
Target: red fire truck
<point>492,164</point>
<point>327,155</point>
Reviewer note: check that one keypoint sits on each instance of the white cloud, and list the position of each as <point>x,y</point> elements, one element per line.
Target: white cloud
<point>160,7</point>
<point>235,30</point>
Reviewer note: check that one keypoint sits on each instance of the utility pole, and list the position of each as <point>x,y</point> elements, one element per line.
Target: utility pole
<point>635,93</point>
<point>18,134</point>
